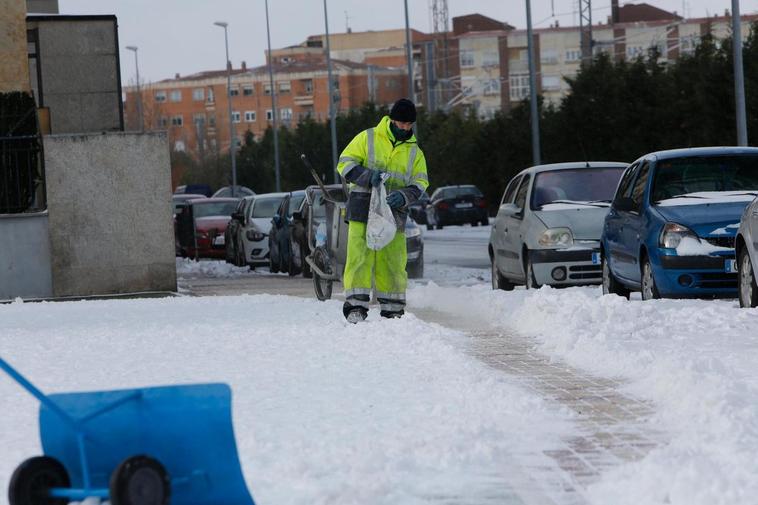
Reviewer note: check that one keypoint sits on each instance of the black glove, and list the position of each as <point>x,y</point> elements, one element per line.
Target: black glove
<point>395,199</point>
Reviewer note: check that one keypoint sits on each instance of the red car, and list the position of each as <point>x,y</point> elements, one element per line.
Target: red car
<point>201,225</point>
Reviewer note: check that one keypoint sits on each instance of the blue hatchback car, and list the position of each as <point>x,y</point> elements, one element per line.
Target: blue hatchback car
<point>672,224</point>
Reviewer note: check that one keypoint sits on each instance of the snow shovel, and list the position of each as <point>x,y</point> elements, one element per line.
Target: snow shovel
<point>141,446</point>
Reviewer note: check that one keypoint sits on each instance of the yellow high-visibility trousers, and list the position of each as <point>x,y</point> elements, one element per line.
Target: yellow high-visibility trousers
<point>387,266</point>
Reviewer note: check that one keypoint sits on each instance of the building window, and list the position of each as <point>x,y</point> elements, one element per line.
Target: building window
<point>160,96</point>
<point>199,120</point>
<point>490,59</point>
<point>177,120</point>
<point>634,51</point>
<point>284,87</point>
<point>198,94</point>
<point>235,116</point>
<point>163,122</point>
<point>492,87</point>
<point>234,91</point>
<point>573,55</point>
<point>336,84</point>
<point>467,58</point>
<point>549,57</point>
<point>519,86</point>
<point>211,95</point>
<point>176,95</point>
<point>212,121</point>
<point>551,82</point>
<point>179,146</point>
<point>267,89</point>
<point>269,115</point>
<point>391,83</point>
<point>285,114</point>
<point>308,86</point>
<point>247,90</point>
<point>249,116</point>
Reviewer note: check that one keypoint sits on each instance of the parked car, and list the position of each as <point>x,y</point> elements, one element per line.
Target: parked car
<point>417,210</point>
<point>548,226</point>
<point>201,226</point>
<point>414,245</point>
<point>672,225</point>
<point>279,235</point>
<point>240,192</point>
<point>252,234</point>
<point>746,249</point>
<point>450,205</point>
<point>198,189</point>
<point>177,203</point>
<point>233,251</point>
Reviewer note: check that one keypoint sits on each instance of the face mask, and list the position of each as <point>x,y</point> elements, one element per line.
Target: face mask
<point>399,133</point>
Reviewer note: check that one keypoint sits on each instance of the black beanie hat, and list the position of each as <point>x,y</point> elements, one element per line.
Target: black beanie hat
<point>403,110</point>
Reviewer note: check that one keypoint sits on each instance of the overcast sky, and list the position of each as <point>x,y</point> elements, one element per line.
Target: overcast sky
<point>178,36</point>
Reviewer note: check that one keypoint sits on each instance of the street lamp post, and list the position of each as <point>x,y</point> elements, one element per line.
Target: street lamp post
<point>533,87</point>
<point>139,93</point>
<point>232,136</point>
<point>332,113</point>
<point>739,76</point>
<point>273,103</point>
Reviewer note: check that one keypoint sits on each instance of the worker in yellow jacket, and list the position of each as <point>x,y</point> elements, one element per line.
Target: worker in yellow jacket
<point>390,147</point>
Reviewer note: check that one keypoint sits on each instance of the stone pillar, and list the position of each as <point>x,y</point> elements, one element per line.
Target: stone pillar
<point>14,70</point>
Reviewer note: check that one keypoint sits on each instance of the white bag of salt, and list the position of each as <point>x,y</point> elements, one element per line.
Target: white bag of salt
<point>381,227</point>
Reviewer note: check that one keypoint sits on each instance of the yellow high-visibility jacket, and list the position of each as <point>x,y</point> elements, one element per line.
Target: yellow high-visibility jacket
<point>376,148</point>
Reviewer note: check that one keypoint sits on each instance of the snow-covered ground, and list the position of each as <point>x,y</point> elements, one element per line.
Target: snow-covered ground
<point>696,360</point>
<point>394,411</point>
<point>389,411</point>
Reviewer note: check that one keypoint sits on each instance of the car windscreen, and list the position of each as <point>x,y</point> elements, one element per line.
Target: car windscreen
<point>579,185</point>
<point>458,192</point>
<point>266,207</point>
<point>678,177</point>
<point>213,209</point>
<point>295,202</point>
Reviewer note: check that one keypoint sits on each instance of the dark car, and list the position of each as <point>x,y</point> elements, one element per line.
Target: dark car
<point>451,205</point>
<point>201,226</point>
<point>417,209</point>
<point>673,221</point>
<point>279,236</point>
<point>233,250</point>
<point>200,189</point>
<point>414,244</point>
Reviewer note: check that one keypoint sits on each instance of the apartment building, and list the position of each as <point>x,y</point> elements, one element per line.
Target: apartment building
<point>195,111</point>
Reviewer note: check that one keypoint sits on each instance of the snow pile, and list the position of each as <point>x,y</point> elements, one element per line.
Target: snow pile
<point>187,267</point>
<point>388,411</point>
<point>690,246</point>
<point>694,359</point>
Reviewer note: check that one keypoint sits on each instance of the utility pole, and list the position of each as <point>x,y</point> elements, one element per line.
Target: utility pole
<point>585,30</point>
<point>739,77</point>
<point>409,54</point>
<point>332,114</point>
<point>533,86</point>
<point>232,133</point>
<point>139,92</point>
<point>273,104</point>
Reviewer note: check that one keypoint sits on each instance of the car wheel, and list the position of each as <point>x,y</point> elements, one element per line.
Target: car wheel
<point>748,288</point>
<point>486,221</point>
<point>498,281</point>
<point>429,227</point>
<point>475,223</point>
<point>611,286</point>
<point>439,226</point>
<point>531,282</point>
<point>649,289</point>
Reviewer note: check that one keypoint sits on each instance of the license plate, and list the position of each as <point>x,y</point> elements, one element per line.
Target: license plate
<point>463,205</point>
<point>730,266</point>
<point>596,258</point>
<point>219,240</point>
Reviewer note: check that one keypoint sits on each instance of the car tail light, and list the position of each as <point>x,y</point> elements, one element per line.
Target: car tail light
<point>480,202</point>
<point>443,205</point>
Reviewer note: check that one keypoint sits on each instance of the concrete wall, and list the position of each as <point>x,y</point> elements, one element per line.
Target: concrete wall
<point>25,256</point>
<point>14,67</point>
<point>79,68</point>
<point>109,200</point>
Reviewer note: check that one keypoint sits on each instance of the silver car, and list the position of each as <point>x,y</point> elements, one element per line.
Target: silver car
<point>746,245</point>
<point>252,236</point>
<point>547,229</point>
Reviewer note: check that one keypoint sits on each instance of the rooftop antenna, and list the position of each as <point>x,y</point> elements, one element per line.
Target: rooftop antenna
<point>347,23</point>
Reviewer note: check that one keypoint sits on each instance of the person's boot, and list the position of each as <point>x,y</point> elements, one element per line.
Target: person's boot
<point>392,314</point>
<point>354,313</point>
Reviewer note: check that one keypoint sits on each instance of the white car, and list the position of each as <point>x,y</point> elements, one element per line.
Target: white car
<point>252,236</point>
<point>746,246</point>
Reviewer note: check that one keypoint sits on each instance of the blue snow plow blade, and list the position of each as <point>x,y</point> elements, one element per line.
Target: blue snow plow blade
<point>144,446</point>
<point>187,428</point>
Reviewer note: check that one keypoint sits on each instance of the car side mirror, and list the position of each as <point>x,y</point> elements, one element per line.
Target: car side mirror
<point>624,204</point>
<point>237,216</point>
<point>297,216</point>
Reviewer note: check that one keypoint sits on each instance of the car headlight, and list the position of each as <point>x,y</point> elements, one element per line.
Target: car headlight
<point>414,231</point>
<point>673,233</point>
<point>556,237</point>
<point>254,235</point>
